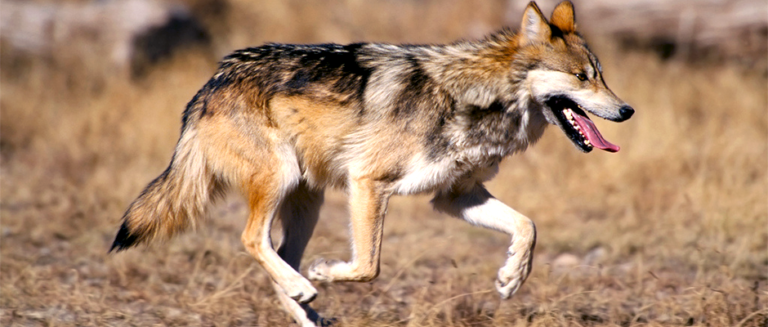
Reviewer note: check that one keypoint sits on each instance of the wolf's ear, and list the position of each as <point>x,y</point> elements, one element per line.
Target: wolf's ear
<point>534,27</point>
<point>564,17</point>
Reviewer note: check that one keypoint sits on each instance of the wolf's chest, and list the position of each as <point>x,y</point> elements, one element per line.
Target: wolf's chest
<point>425,175</point>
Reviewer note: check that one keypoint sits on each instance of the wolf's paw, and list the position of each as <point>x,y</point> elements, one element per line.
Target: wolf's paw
<point>320,270</point>
<point>300,290</point>
<point>509,280</point>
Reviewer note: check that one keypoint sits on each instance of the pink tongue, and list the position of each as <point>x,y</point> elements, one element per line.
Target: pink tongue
<point>593,135</point>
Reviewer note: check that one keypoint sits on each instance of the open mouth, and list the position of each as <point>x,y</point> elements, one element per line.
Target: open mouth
<point>577,125</point>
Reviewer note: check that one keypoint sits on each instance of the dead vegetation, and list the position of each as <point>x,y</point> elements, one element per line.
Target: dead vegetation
<point>672,230</point>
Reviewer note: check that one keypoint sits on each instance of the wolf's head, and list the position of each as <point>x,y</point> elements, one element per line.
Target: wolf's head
<point>564,77</point>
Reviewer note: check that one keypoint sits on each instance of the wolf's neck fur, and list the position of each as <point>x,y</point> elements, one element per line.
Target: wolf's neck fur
<point>494,115</point>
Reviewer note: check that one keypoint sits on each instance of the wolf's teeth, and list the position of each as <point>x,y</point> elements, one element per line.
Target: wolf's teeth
<point>568,113</point>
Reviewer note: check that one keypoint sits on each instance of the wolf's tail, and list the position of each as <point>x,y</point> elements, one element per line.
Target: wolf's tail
<point>174,200</point>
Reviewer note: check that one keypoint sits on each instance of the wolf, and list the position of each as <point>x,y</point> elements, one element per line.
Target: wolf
<point>280,123</point>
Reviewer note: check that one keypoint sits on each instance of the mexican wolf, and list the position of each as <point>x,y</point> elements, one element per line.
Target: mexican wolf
<point>282,122</point>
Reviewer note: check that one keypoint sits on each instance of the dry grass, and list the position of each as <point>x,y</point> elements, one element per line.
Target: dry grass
<point>672,230</point>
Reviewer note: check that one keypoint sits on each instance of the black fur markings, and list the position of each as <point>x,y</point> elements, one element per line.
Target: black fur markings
<point>198,104</point>
<point>200,100</point>
<point>494,110</point>
<point>556,32</point>
<point>356,76</point>
<point>309,70</point>
<point>416,89</point>
<point>124,239</point>
<point>298,82</point>
<point>328,63</point>
<point>245,55</point>
<point>437,143</point>
<point>512,120</point>
<point>392,175</point>
<point>219,81</point>
<point>492,124</point>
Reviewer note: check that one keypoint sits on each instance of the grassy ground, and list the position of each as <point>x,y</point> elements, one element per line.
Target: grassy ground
<point>672,230</point>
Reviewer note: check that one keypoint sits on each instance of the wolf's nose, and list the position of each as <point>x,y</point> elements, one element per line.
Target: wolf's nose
<point>626,112</point>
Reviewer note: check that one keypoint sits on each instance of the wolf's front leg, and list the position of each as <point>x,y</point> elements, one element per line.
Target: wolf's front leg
<point>368,203</point>
<point>474,204</point>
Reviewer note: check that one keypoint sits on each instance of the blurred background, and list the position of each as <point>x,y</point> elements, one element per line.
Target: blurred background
<point>671,230</point>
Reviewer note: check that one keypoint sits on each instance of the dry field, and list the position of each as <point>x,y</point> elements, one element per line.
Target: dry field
<point>670,231</point>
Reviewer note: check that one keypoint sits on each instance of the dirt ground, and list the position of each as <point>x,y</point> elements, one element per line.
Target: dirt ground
<point>670,231</point>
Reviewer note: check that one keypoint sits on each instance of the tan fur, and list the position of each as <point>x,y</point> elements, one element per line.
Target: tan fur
<point>301,121</point>
<point>563,17</point>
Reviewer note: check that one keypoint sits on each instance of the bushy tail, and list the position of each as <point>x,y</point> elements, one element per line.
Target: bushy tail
<point>174,200</point>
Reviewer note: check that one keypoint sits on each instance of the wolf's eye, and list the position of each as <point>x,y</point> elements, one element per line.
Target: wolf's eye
<point>581,77</point>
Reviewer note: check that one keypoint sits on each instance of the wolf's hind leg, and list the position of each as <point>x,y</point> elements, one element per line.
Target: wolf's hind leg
<point>266,189</point>
<point>298,214</point>
<point>475,205</point>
